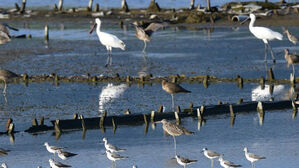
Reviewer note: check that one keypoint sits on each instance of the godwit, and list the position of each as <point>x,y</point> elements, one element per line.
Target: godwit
<point>291,37</point>
<point>145,34</point>
<point>174,130</point>
<point>291,59</point>
<point>6,75</point>
<point>172,89</point>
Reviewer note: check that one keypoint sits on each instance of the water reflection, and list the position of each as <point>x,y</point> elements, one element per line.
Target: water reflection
<point>280,92</point>
<point>109,93</point>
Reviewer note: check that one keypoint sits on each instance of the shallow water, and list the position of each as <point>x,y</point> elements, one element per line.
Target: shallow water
<point>220,51</point>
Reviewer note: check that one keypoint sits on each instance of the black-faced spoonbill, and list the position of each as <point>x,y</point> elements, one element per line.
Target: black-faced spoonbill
<point>108,40</point>
<point>264,34</point>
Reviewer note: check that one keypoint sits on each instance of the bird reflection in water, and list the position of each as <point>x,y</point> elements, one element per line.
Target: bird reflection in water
<point>109,93</point>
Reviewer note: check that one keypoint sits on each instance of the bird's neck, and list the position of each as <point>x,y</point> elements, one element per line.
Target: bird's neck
<point>98,28</point>
<point>251,24</point>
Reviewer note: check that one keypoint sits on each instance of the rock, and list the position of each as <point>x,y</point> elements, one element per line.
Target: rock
<point>153,7</point>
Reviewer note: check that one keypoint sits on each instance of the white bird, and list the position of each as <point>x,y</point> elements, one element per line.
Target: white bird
<point>264,34</point>
<point>114,156</point>
<point>211,155</point>
<point>3,165</point>
<point>55,164</point>
<point>112,148</point>
<point>53,149</point>
<point>252,157</point>
<point>65,155</point>
<point>184,161</point>
<point>226,163</point>
<point>108,40</point>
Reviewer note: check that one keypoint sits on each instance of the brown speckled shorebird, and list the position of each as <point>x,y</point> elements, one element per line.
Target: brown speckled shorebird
<point>291,59</point>
<point>6,75</point>
<point>174,130</point>
<point>172,89</point>
<point>144,34</point>
<point>291,37</point>
<point>4,33</point>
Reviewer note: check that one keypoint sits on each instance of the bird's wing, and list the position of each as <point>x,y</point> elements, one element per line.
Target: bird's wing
<point>141,34</point>
<point>255,156</point>
<point>115,155</point>
<point>154,27</point>
<point>58,164</point>
<point>185,160</point>
<point>173,128</point>
<point>231,164</point>
<point>212,153</point>
<point>111,40</point>
<point>68,154</point>
<point>56,148</point>
<point>266,33</point>
<point>294,38</point>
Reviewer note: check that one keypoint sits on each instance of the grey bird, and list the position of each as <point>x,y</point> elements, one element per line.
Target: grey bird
<point>227,164</point>
<point>291,59</point>
<point>184,161</point>
<point>211,155</point>
<point>6,75</point>
<point>293,39</point>
<point>174,130</point>
<point>55,164</point>
<point>252,157</point>
<point>111,147</point>
<point>172,89</point>
<point>144,34</point>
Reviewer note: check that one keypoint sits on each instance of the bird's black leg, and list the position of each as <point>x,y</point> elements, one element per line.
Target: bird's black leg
<point>266,52</point>
<point>108,58</point>
<point>272,53</point>
<point>110,62</point>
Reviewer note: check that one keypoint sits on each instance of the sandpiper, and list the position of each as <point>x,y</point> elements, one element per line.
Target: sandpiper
<point>184,161</point>
<point>55,164</point>
<point>211,155</point>
<point>114,156</point>
<point>226,163</point>
<point>53,149</point>
<point>111,147</point>
<point>65,155</point>
<point>252,157</point>
<point>3,165</point>
<point>291,59</point>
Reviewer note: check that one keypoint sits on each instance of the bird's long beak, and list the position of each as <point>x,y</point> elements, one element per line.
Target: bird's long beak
<point>93,27</point>
<point>245,20</point>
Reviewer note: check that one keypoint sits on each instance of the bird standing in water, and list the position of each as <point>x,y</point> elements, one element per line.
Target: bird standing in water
<point>108,40</point>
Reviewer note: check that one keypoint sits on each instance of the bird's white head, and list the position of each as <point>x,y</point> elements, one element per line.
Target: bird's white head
<point>220,158</point>
<point>252,16</point>
<point>98,21</point>
<point>51,160</point>
<point>105,139</point>
<point>46,144</point>
<point>204,149</point>
<point>4,165</point>
<point>245,149</point>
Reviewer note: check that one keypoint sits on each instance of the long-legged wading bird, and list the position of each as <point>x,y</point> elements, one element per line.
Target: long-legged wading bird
<point>184,161</point>
<point>293,39</point>
<point>145,34</point>
<point>252,157</point>
<point>53,149</point>
<point>172,89</point>
<point>114,156</point>
<point>174,130</point>
<point>227,164</point>
<point>111,147</point>
<point>108,40</point>
<point>6,75</point>
<point>264,34</point>
<point>55,164</point>
<point>211,155</point>
<point>291,59</point>
<point>65,155</point>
